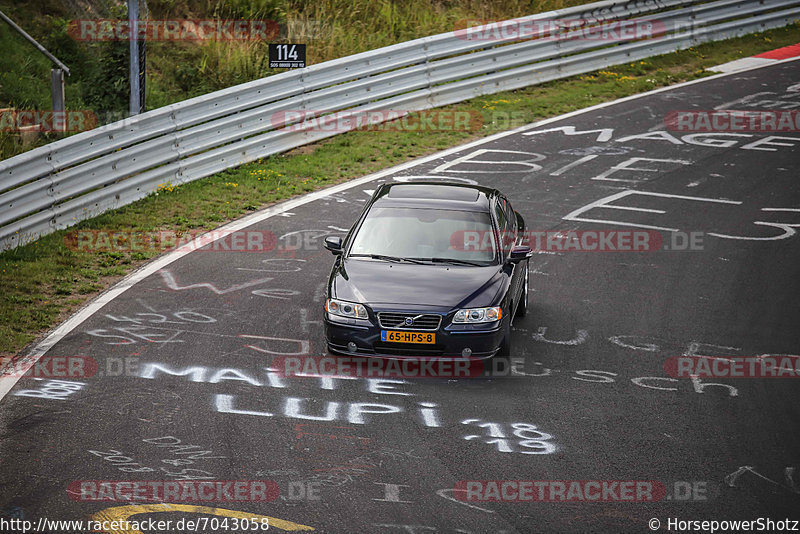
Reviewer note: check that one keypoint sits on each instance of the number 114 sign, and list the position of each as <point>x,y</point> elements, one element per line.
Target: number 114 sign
<point>287,56</point>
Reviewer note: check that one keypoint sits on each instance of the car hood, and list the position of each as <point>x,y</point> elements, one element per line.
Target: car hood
<point>376,282</point>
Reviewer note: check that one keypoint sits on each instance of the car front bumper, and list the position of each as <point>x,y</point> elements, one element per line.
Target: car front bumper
<point>451,341</point>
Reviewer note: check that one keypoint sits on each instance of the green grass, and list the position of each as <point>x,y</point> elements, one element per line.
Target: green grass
<point>180,70</point>
<point>41,283</point>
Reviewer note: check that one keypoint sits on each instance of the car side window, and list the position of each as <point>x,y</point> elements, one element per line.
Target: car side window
<point>505,225</point>
<point>500,215</point>
<point>511,219</point>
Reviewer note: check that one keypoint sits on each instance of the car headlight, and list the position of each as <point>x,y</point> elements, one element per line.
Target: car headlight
<point>478,315</point>
<point>346,309</point>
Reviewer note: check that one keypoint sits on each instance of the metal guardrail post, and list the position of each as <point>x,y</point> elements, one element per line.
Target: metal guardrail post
<point>57,99</point>
<point>133,24</point>
<point>59,184</point>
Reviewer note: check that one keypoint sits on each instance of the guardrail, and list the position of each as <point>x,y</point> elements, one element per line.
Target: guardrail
<point>57,185</point>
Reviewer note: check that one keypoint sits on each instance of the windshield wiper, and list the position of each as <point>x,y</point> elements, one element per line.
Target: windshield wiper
<point>453,261</point>
<point>385,258</point>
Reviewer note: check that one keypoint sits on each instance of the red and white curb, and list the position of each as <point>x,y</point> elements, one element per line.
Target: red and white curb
<point>761,59</point>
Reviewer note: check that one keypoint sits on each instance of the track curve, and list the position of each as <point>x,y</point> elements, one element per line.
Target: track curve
<point>199,332</point>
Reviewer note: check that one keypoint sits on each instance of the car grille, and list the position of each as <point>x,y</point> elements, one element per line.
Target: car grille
<point>428,321</point>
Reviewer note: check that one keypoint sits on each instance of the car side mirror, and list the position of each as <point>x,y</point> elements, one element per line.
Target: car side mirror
<point>334,244</point>
<point>519,253</point>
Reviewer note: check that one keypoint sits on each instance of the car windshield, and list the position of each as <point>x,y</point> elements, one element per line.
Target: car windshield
<point>426,234</point>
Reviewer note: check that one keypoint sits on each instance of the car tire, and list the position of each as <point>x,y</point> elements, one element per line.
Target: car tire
<point>522,307</point>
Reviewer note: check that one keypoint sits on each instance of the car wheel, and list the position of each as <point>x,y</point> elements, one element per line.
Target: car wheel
<point>522,307</point>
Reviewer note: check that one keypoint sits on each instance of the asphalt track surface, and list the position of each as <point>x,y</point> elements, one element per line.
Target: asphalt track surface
<point>202,329</point>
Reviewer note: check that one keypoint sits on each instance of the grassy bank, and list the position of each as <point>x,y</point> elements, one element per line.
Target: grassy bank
<point>177,70</point>
<point>44,281</point>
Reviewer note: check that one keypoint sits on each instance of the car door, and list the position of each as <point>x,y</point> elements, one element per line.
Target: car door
<point>520,271</point>
<point>507,222</point>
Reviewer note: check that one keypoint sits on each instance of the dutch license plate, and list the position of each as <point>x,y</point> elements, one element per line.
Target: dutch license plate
<point>396,336</point>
